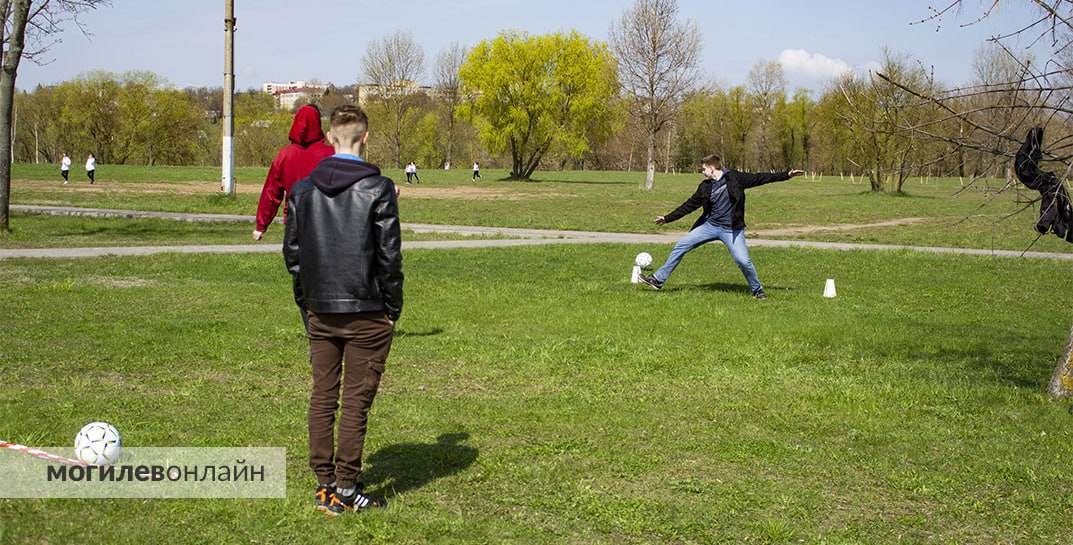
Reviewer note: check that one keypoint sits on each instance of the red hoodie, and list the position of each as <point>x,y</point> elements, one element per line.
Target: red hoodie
<point>294,162</point>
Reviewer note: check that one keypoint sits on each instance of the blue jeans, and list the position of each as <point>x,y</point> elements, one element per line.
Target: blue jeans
<point>703,234</point>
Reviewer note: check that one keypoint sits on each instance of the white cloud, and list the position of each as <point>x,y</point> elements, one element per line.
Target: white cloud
<point>815,66</point>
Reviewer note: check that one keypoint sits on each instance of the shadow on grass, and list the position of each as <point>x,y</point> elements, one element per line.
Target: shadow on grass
<point>583,182</point>
<point>402,333</point>
<point>723,287</point>
<point>943,353</point>
<point>715,286</point>
<point>403,467</point>
<point>1019,367</point>
<point>891,194</point>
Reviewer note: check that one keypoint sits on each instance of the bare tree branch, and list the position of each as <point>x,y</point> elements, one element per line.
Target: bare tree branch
<point>658,65</point>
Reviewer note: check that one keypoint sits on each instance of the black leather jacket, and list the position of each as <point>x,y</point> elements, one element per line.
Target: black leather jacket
<point>342,242</point>
<point>737,183</point>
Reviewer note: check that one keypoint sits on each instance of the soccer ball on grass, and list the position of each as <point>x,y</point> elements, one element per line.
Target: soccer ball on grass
<point>97,444</point>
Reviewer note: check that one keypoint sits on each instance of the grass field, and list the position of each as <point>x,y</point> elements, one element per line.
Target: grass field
<point>927,214</point>
<point>582,409</point>
<point>39,231</point>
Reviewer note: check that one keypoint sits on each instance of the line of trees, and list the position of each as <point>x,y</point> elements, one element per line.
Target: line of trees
<point>850,127</point>
<point>555,101</point>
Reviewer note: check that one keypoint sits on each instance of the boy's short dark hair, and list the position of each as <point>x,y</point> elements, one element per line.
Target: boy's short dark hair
<point>712,160</point>
<point>349,114</point>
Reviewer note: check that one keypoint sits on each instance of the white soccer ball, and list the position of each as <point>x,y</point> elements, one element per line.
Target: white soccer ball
<point>97,444</point>
<point>643,260</point>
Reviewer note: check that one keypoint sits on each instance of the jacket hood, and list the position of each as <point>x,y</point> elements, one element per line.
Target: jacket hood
<point>335,175</point>
<point>306,127</point>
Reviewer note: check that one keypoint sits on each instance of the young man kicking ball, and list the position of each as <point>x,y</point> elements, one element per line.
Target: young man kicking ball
<point>722,196</point>
<point>342,246</point>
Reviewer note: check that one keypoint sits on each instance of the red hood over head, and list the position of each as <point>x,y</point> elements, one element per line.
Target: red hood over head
<point>306,127</point>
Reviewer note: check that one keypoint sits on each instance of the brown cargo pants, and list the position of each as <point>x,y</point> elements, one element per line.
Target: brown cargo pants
<point>353,347</point>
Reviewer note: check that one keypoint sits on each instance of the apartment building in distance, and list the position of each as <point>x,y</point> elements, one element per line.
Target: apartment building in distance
<point>288,94</point>
<point>366,91</point>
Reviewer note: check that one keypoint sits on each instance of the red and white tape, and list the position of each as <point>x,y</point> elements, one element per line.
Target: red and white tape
<point>37,453</point>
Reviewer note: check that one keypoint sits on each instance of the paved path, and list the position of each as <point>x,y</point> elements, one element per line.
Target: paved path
<point>522,237</point>
<point>234,218</point>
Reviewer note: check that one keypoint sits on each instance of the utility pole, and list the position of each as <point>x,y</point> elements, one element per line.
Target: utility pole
<point>14,126</point>
<point>228,162</point>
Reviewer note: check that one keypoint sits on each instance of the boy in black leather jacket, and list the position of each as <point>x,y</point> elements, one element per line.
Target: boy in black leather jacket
<point>342,246</point>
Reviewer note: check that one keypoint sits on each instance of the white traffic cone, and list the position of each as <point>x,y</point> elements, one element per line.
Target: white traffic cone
<point>635,278</point>
<point>829,289</point>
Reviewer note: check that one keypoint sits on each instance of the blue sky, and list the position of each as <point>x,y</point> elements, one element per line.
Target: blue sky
<point>284,40</point>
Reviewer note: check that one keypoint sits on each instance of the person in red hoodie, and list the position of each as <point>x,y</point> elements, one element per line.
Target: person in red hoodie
<point>294,162</point>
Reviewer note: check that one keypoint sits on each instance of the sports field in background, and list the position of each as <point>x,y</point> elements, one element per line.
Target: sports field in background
<point>831,208</point>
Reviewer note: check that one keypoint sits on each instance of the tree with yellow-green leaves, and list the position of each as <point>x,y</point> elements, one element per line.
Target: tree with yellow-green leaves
<point>528,95</point>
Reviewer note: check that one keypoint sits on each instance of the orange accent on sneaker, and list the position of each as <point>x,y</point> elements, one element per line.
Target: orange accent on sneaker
<point>335,501</point>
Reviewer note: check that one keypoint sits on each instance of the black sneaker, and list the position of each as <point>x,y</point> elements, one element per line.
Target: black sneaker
<point>340,504</point>
<point>651,281</point>
<point>323,496</point>
<point>759,295</point>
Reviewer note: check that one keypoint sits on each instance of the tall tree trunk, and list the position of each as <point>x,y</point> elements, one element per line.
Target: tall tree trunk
<point>667,155</point>
<point>875,176</point>
<point>650,177</point>
<point>516,166</point>
<point>19,9</point>
<point>1062,379</point>
<point>534,160</point>
<point>14,126</point>
<point>400,112</point>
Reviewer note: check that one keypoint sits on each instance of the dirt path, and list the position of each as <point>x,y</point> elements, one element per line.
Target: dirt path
<point>525,237</point>
<point>597,238</point>
<point>807,229</point>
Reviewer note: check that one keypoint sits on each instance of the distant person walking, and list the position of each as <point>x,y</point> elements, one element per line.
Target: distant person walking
<point>476,171</point>
<point>65,168</point>
<point>722,196</point>
<point>91,167</point>
<point>294,162</point>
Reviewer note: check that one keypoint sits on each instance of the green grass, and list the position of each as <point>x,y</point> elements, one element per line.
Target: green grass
<point>136,173</point>
<point>598,201</point>
<point>40,231</point>
<point>907,410</point>
<point>977,232</point>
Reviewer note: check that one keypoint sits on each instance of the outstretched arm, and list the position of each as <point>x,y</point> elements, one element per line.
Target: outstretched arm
<point>754,179</point>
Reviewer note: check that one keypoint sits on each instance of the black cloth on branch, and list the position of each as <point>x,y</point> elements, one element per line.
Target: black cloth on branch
<point>1055,209</point>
